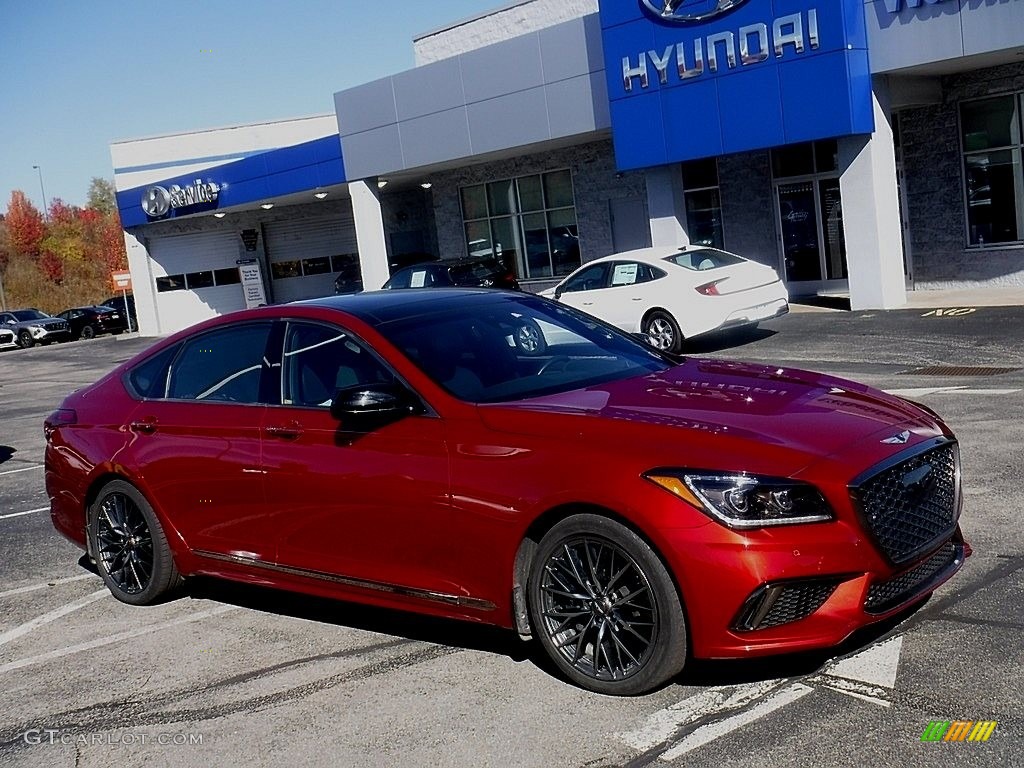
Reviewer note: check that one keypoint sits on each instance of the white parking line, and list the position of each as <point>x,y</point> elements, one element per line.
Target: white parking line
<point>26,512</point>
<point>24,469</point>
<point>44,585</point>
<point>23,629</point>
<point>708,733</point>
<point>111,639</point>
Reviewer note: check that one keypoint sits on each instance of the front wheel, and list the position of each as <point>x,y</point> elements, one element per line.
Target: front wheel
<point>131,550</point>
<point>663,331</point>
<point>529,339</point>
<point>604,607</point>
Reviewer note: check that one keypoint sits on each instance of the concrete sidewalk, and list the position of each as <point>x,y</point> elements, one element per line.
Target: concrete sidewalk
<point>944,299</point>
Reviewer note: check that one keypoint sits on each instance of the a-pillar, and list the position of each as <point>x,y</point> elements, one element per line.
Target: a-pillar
<point>871,211</point>
<point>665,206</point>
<point>369,221</point>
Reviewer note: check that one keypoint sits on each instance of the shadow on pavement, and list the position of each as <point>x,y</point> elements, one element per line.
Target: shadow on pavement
<point>716,342</point>
<point>6,452</point>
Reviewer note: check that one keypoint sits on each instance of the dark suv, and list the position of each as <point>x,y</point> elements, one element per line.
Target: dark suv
<point>472,272</point>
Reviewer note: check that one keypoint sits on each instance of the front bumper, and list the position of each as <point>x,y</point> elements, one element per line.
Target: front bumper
<point>50,334</point>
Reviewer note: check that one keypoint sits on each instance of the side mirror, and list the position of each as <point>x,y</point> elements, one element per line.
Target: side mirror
<point>558,292</point>
<point>368,407</point>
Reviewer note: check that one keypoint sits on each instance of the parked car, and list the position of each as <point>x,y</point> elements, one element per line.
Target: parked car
<point>89,322</point>
<point>674,294</point>
<point>628,512</point>
<point>350,279</point>
<point>472,272</point>
<point>126,308</point>
<point>7,338</point>
<point>32,327</point>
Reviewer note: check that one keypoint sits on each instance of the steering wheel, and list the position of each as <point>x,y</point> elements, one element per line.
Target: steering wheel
<point>558,363</point>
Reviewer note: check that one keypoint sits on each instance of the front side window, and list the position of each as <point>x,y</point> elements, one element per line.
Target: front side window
<point>992,143</point>
<point>588,279</point>
<point>319,360</point>
<point>528,222</point>
<point>224,365</point>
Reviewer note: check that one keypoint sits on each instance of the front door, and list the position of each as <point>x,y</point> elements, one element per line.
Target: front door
<point>812,242</point>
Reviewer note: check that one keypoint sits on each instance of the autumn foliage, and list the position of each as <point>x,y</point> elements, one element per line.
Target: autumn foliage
<point>63,259</point>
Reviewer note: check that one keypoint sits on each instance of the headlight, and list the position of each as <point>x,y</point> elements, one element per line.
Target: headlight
<point>745,501</point>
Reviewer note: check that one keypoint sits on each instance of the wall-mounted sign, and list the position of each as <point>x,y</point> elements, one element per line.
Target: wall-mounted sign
<point>159,201</point>
<point>250,237</point>
<point>700,78</point>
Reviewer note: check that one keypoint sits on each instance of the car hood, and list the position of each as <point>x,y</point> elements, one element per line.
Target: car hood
<point>718,408</point>
<point>46,322</point>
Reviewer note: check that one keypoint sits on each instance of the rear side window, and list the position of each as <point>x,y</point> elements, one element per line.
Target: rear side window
<point>221,366</point>
<point>149,378</point>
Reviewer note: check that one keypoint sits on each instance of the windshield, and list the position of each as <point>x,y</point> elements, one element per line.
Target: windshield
<point>29,314</point>
<point>517,347</point>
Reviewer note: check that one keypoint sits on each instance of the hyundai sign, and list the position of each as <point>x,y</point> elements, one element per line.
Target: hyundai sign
<point>699,78</point>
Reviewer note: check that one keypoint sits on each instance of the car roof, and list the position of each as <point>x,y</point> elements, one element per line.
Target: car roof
<point>376,307</point>
<point>655,254</point>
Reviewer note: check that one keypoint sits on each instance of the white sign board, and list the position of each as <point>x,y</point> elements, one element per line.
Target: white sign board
<point>252,285</point>
<point>624,274</point>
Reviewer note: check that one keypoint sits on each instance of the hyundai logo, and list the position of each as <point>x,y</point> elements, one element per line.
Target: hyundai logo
<point>688,11</point>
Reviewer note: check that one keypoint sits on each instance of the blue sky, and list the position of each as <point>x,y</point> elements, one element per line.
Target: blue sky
<point>75,76</point>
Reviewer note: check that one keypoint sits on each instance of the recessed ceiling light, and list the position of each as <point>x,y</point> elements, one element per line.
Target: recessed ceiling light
<point>426,185</point>
<point>319,195</point>
<point>219,215</point>
<point>381,183</point>
<point>267,206</point>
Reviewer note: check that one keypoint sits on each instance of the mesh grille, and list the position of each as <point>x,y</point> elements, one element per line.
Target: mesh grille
<point>913,504</point>
<point>888,594</point>
<point>797,601</point>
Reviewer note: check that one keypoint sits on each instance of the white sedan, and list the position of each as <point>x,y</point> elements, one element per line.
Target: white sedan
<point>674,294</point>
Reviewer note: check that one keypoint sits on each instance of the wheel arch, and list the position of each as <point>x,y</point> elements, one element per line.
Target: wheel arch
<point>536,531</point>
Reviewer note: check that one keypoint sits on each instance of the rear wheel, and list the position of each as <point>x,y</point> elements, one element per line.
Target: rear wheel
<point>663,331</point>
<point>88,332</point>
<point>604,607</point>
<point>131,550</point>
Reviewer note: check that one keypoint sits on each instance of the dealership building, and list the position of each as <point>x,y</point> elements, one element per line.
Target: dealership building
<point>860,148</point>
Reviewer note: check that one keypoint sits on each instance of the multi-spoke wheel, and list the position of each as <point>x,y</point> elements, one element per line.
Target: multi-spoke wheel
<point>529,339</point>
<point>604,607</point>
<point>663,331</point>
<point>129,545</point>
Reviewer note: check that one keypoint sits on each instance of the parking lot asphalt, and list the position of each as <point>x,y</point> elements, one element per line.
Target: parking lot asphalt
<point>232,676</point>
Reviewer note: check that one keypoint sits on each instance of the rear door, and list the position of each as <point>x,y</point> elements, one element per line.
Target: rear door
<point>197,436</point>
<point>628,295</point>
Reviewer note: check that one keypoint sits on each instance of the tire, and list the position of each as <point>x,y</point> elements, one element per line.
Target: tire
<point>529,339</point>
<point>623,637</point>
<point>131,551</point>
<point>664,332</point>
<point>87,332</point>
<point>25,340</point>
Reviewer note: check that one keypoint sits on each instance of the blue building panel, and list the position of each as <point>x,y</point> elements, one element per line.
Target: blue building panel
<point>759,74</point>
<point>275,173</point>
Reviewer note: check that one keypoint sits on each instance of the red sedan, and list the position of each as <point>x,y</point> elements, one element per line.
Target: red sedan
<point>399,448</point>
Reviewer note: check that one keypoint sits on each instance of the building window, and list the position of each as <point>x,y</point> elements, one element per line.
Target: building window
<point>703,202</point>
<point>528,222</point>
<point>992,144</point>
<point>320,265</point>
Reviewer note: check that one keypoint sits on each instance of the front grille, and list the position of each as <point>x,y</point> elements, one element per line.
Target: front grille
<point>913,504</point>
<point>776,604</point>
<point>886,595</point>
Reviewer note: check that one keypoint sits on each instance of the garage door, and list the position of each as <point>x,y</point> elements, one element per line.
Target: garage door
<point>306,254</point>
<point>196,277</point>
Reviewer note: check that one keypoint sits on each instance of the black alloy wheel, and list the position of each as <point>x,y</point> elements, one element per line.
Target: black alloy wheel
<point>129,546</point>
<point>605,609</point>
<point>25,340</point>
<point>88,332</point>
<point>663,331</point>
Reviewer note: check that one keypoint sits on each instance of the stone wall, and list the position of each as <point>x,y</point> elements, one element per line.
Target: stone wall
<point>933,170</point>
<point>595,183</point>
<point>500,24</point>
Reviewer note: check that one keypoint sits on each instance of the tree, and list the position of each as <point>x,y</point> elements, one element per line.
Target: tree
<point>25,226</point>
<point>101,196</point>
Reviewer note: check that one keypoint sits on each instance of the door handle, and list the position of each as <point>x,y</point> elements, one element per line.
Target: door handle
<point>146,426</point>
<point>638,298</point>
<point>284,431</point>
<point>588,303</point>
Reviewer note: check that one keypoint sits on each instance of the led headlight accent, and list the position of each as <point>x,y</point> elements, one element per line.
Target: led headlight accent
<point>746,501</point>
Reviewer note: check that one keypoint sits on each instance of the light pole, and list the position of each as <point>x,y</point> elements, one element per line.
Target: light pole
<point>46,205</point>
